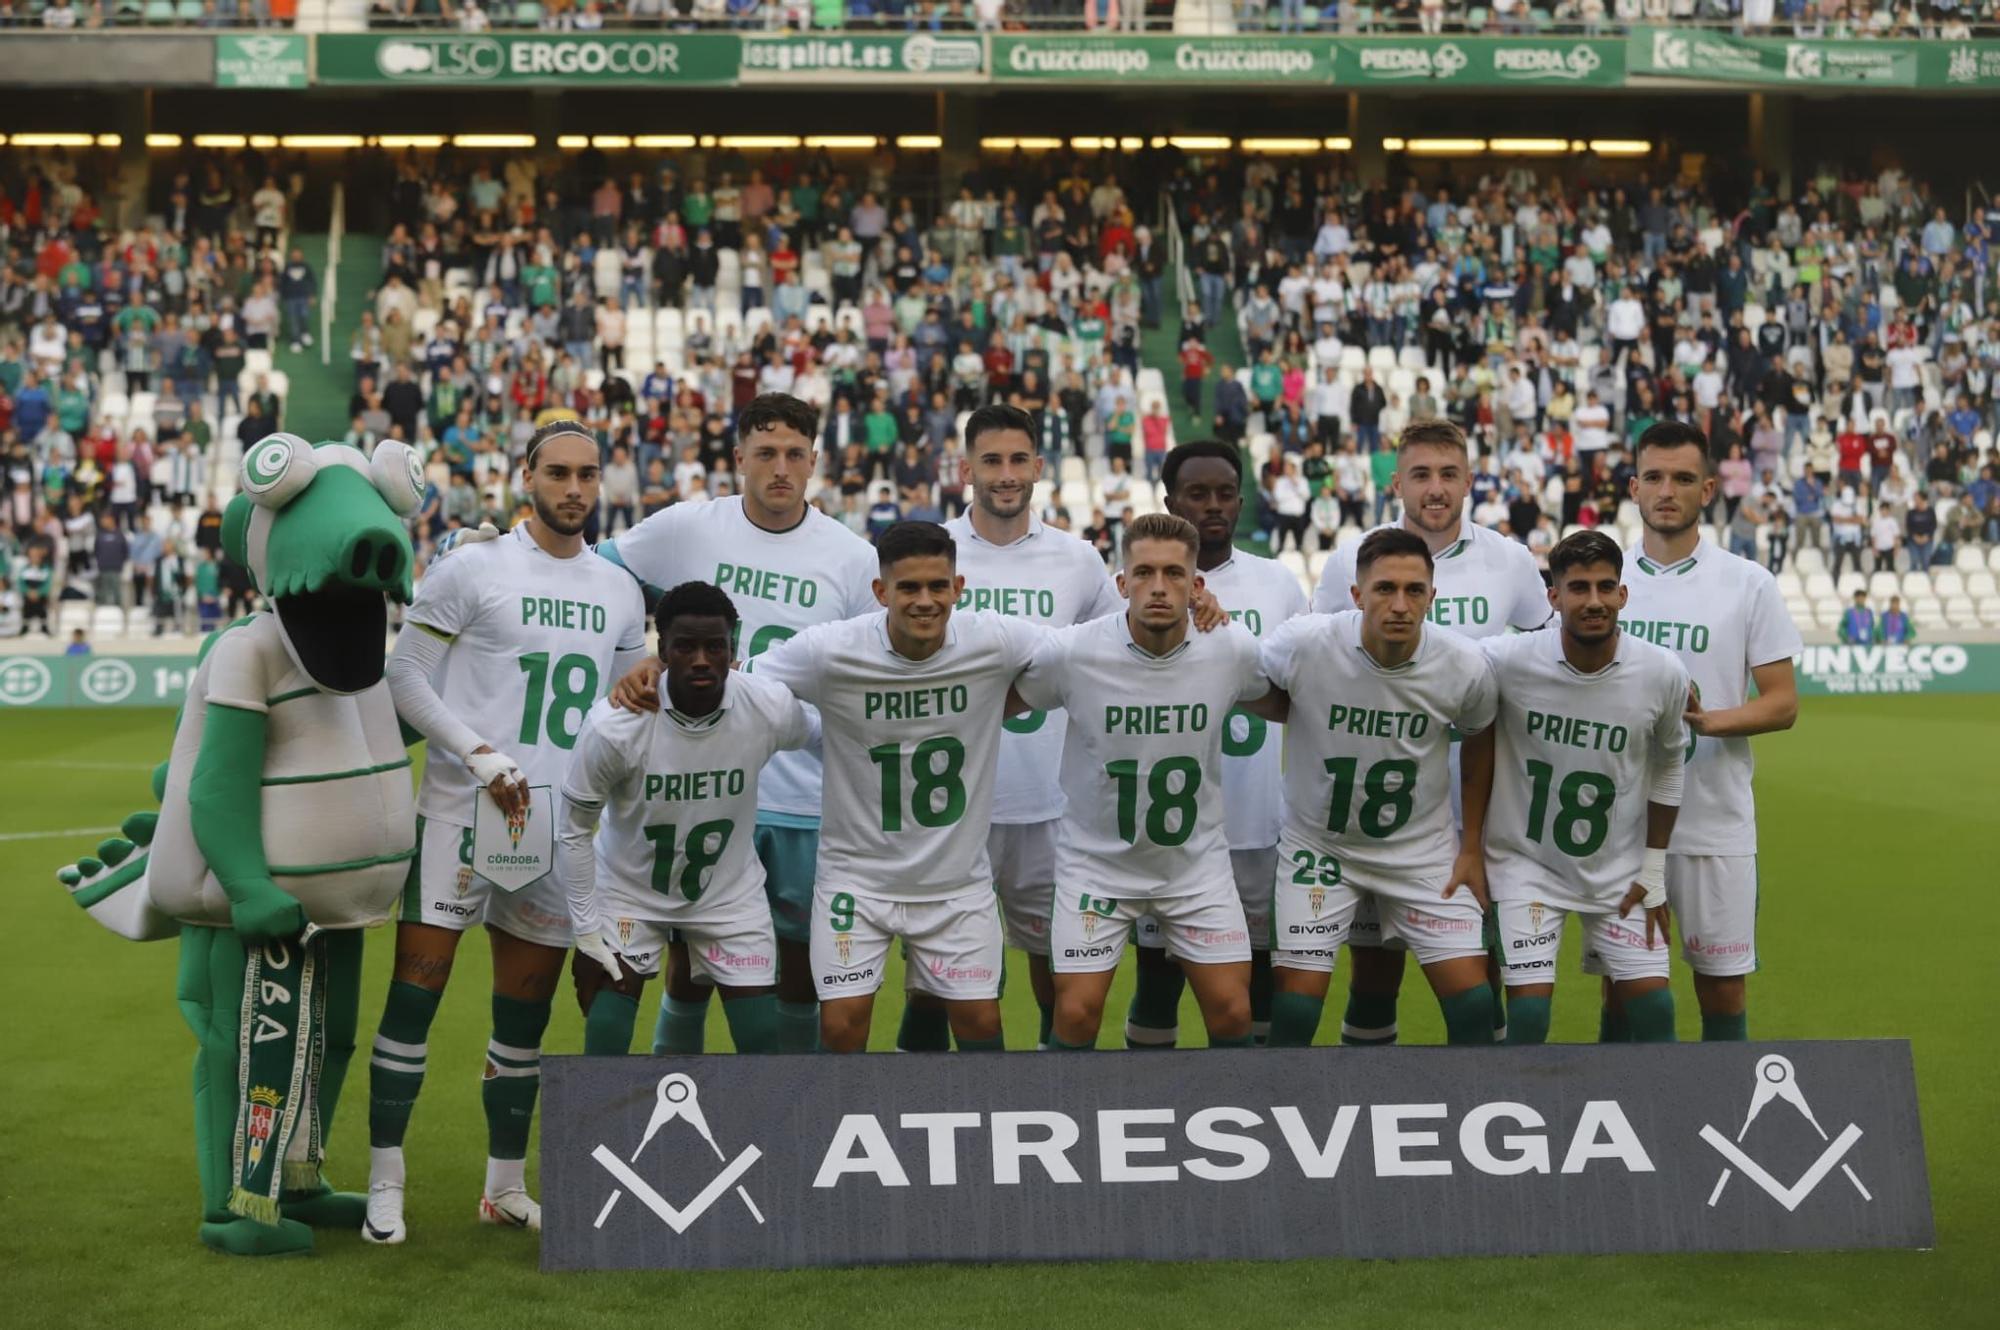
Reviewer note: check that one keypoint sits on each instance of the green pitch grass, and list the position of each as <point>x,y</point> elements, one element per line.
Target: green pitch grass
<point>1877,921</point>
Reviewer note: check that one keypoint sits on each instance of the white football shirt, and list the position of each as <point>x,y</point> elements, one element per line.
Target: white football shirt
<point>1259,594</point>
<point>781,583</point>
<point>1486,584</point>
<point>679,800</point>
<point>910,748</point>
<point>1573,767</point>
<point>1367,761</point>
<point>1723,616</point>
<point>1142,758</point>
<point>1048,577</point>
<point>532,641</point>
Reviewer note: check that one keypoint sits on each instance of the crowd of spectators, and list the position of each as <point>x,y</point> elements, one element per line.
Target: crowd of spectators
<point>1840,348</point>
<point>74,15</point>
<point>133,365</point>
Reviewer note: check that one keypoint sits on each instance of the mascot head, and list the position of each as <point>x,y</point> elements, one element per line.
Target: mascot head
<point>321,530</point>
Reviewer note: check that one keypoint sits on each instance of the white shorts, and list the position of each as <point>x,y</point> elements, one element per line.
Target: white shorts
<point>740,952</point>
<point>952,947</point>
<point>1367,930</point>
<point>1714,899</point>
<point>1531,935</point>
<point>1024,877</point>
<point>444,892</point>
<point>1203,927</point>
<point>1318,907</point>
<point>1252,870</point>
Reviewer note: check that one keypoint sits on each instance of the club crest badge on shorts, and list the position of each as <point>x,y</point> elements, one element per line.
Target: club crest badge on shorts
<point>1534,916</point>
<point>624,933</point>
<point>1316,897</point>
<point>463,883</point>
<point>843,947</point>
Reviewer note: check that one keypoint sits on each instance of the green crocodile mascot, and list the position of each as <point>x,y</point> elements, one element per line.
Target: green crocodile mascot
<point>286,825</point>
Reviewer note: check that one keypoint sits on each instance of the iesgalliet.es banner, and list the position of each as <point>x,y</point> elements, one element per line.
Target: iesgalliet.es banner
<point>786,1161</point>
<point>863,57</point>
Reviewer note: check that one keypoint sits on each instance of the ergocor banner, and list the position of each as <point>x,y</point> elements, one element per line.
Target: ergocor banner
<point>1479,62</point>
<point>844,58</point>
<point>1927,667</point>
<point>471,59</point>
<point>1162,59</point>
<point>94,681</point>
<point>262,61</point>
<point>1718,57</point>
<point>783,1161</point>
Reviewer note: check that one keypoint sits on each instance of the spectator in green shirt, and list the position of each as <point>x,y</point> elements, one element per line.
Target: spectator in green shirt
<point>880,433</point>
<point>1382,470</point>
<point>1267,382</point>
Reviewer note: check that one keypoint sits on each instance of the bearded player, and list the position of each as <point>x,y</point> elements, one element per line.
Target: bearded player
<point>910,701</point>
<point>1204,485</point>
<point>1484,585</point>
<point>1143,828</point>
<point>1587,775</point>
<point>1374,698</point>
<point>786,566</point>
<point>1014,564</point>
<point>1723,616</point>
<point>505,648</point>
<point>676,790</point>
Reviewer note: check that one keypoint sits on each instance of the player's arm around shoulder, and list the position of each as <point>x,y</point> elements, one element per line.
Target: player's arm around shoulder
<point>791,723</point>
<point>797,663</point>
<point>1041,683</point>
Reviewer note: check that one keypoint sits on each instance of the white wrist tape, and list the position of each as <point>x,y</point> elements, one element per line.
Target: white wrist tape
<point>1653,877</point>
<point>489,767</point>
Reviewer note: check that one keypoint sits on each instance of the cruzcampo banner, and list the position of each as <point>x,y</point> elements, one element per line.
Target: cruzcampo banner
<point>262,61</point>
<point>1481,62</point>
<point>782,1161</point>
<point>94,681</point>
<point>860,57</point>
<point>1926,667</point>
<point>461,59</point>
<point>1719,57</point>
<point>1125,59</point>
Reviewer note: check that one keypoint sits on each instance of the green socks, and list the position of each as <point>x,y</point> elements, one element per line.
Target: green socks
<point>1294,1019</point>
<point>1527,1020</point>
<point>681,1026</point>
<point>925,1028</point>
<point>798,1026</point>
<point>396,1065</point>
<point>607,1030</point>
<point>513,1075</point>
<point>997,1044</point>
<point>1725,1029</point>
<point>754,1024</point>
<point>1651,1016</point>
<point>1469,1017</point>
<point>1370,1019</point>
<point>1260,997</point>
<point>1048,1025</point>
<point>1240,1041</point>
<point>1611,1027</point>
<point>1153,1019</point>
<point>1056,1045</point>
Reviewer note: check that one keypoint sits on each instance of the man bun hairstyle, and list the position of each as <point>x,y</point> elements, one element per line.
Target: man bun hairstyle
<point>1182,454</point>
<point>772,410</point>
<point>914,540</point>
<point>1580,549</point>
<point>699,600</point>
<point>1388,542</point>
<point>1161,526</point>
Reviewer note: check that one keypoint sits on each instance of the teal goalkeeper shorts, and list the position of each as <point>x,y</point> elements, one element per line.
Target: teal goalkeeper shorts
<point>790,856</point>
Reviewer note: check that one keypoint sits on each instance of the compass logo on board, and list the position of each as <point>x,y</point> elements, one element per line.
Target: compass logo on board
<point>675,1098</point>
<point>1776,1079</point>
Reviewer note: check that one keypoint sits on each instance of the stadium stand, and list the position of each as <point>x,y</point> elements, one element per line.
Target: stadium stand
<point>1839,346</point>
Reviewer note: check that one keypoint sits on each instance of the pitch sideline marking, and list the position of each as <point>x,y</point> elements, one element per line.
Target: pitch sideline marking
<point>55,835</point>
